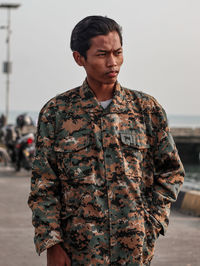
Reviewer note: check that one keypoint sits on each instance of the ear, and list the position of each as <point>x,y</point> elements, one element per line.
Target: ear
<point>78,58</point>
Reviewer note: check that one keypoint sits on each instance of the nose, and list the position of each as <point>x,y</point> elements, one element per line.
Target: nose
<point>111,60</point>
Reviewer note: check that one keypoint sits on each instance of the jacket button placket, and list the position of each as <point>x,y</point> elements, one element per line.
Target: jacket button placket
<point>106,141</point>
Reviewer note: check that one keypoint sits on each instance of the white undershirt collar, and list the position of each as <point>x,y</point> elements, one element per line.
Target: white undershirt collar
<point>104,104</point>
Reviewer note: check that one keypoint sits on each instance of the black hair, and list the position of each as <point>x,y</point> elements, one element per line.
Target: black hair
<point>90,27</point>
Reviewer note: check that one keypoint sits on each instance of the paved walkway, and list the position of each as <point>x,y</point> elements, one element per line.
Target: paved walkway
<point>180,247</point>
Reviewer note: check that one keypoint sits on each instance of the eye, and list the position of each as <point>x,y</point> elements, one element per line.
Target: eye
<point>118,52</point>
<point>102,54</point>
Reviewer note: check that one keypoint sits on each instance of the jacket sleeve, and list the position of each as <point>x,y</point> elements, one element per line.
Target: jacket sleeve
<point>44,199</point>
<point>169,172</point>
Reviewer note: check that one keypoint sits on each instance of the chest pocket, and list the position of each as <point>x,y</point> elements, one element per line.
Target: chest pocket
<point>134,148</point>
<point>74,156</point>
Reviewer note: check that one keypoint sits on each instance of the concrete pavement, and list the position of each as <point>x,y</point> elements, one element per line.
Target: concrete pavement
<point>180,247</point>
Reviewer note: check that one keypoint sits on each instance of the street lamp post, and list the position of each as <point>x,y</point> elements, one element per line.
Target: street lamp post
<point>7,63</point>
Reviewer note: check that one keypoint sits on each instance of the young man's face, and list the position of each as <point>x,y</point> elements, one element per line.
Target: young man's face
<point>104,59</point>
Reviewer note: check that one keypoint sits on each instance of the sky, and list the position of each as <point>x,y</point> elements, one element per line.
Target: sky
<point>161,42</point>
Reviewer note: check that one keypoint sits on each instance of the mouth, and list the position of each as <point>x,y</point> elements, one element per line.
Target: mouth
<point>112,73</point>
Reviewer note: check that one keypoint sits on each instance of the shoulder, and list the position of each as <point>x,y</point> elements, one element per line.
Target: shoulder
<point>51,110</point>
<point>62,99</point>
<point>154,114</point>
<point>147,102</point>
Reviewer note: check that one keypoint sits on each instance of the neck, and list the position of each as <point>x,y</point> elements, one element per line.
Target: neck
<point>102,92</point>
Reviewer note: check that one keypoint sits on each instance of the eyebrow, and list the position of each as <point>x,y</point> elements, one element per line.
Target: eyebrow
<point>104,51</point>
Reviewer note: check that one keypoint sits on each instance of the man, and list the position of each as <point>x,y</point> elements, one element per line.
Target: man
<point>106,168</point>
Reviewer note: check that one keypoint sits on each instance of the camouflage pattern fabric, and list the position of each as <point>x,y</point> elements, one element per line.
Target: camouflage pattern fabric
<point>103,179</point>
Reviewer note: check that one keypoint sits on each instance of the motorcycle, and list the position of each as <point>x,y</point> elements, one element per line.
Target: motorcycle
<point>25,150</point>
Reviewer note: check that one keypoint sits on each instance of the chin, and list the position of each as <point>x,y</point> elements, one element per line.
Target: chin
<point>111,80</point>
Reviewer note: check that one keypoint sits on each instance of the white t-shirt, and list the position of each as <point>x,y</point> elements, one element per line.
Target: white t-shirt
<point>104,104</point>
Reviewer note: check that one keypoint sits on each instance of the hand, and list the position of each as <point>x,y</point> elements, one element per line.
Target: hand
<point>56,256</point>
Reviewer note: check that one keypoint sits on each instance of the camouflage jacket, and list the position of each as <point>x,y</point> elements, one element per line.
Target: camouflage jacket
<point>103,179</point>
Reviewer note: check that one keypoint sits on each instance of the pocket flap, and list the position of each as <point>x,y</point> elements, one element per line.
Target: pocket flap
<point>71,144</point>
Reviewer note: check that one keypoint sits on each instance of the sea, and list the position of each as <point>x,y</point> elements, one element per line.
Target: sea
<point>192,179</point>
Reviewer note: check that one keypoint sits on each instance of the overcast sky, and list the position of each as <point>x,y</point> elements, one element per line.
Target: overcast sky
<point>161,50</point>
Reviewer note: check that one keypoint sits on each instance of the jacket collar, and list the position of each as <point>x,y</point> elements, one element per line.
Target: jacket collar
<point>90,102</point>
